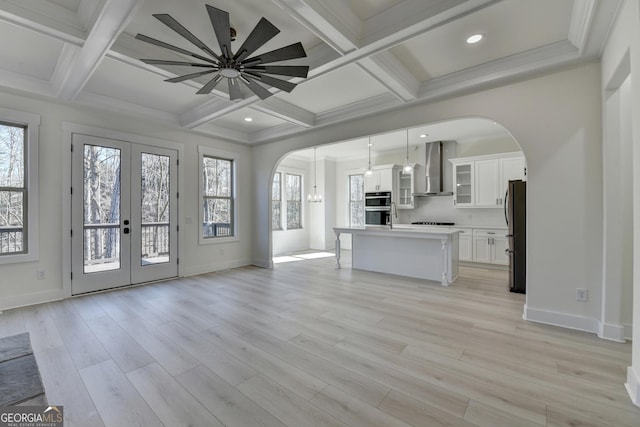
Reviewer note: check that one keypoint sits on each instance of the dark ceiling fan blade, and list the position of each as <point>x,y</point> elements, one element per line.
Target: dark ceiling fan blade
<point>292,51</point>
<point>164,62</point>
<point>272,81</point>
<point>178,28</point>
<point>172,47</point>
<point>262,33</point>
<point>256,88</point>
<point>234,89</point>
<point>189,76</point>
<point>206,89</point>
<point>220,22</point>
<point>282,70</point>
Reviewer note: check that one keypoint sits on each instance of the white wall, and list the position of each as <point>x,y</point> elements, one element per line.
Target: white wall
<point>620,60</point>
<point>19,286</point>
<point>556,119</point>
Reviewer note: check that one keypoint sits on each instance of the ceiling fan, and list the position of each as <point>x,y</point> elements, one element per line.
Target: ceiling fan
<point>238,67</point>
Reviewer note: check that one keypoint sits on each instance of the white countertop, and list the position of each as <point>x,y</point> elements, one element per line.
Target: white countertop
<point>492,227</point>
<point>400,230</point>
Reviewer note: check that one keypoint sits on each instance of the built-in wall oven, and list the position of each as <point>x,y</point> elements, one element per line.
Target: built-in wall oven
<point>377,208</point>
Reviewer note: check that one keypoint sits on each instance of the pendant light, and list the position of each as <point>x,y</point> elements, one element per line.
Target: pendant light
<point>316,197</point>
<point>369,171</point>
<point>407,166</point>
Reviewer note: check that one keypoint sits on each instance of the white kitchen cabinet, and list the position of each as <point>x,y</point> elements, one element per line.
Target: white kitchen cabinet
<point>489,177</point>
<point>510,169</point>
<point>465,244</point>
<point>382,179</point>
<point>463,180</point>
<point>406,188</point>
<point>489,246</point>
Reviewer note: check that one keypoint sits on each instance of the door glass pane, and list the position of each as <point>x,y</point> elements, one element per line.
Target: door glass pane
<point>155,209</point>
<point>101,192</point>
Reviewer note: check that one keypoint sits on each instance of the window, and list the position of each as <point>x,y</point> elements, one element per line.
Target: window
<point>356,200</point>
<point>217,197</point>
<point>276,202</point>
<point>18,186</point>
<point>294,201</point>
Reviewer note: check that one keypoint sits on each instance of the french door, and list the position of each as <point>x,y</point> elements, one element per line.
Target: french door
<point>123,213</point>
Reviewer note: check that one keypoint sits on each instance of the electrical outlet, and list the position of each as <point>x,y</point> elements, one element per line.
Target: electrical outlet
<point>582,294</point>
<point>41,275</point>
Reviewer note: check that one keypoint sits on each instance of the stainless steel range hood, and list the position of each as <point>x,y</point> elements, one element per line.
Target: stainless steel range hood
<point>434,171</point>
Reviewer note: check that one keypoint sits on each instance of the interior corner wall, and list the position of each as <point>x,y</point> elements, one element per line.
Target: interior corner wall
<point>19,286</point>
<point>556,119</point>
<point>621,60</point>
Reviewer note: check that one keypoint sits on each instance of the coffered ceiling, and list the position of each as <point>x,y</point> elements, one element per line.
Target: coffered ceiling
<point>365,56</point>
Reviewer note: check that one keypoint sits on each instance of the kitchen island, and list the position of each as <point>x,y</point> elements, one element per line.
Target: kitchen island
<point>422,252</point>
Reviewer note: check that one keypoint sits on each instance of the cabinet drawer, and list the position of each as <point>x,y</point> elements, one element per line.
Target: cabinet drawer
<point>489,232</point>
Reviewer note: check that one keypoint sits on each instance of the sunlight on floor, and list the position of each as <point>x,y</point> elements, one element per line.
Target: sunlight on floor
<point>301,257</point>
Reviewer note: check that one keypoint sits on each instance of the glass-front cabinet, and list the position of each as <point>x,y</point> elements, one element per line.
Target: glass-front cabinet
<point>406,189</point>
<point>463,184</point>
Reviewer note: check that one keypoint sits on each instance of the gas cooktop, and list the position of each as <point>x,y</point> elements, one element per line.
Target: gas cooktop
<point>432,223</point>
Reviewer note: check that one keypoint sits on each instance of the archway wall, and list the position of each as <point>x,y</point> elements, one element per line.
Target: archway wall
<point>556,119</point>
<point>620,59</point>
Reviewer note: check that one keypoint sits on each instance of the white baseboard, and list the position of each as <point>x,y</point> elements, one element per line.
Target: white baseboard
<point>31,299</point>
<point>264,262</point>
<point>565,320</point>
<point>628,330</point>
<point>611,332</point>
<point>633,385</point>
<point>195,270</point>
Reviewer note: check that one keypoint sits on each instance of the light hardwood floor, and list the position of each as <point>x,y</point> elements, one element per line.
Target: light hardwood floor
<point>308,345</point>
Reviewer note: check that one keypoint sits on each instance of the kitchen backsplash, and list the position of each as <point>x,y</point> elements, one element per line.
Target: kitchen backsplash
<point>440,208</point>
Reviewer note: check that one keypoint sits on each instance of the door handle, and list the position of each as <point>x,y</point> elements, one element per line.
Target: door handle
<point>126,230</point>
<point>508,251</point>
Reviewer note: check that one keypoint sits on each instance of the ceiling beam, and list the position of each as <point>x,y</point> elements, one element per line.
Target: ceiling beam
<point>276,107</point>
<point>74,74</point>
<point>389,72</point>
<point>333,22</point>
<point>591,22</point>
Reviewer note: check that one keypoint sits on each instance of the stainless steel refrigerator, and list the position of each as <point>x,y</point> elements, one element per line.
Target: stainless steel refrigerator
<point>515,212</point>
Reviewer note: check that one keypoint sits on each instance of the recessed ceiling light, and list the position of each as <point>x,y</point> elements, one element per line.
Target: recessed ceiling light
<point>474,38</point>
<point>248,119</point>
<point>424,135</point>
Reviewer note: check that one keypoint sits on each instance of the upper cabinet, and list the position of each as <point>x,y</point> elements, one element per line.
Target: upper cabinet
<point>406,188</point>
<point>487,180</point>
<point>383,179</point>
<point>463,180</point>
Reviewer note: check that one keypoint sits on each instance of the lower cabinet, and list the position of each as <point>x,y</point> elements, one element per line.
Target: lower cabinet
<point>488,246</point>
<point>464,243</point>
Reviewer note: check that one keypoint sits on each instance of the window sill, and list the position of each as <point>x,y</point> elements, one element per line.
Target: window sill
<point>218,240</point>
<point>16,259</point>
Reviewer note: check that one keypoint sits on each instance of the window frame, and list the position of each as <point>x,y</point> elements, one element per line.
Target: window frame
<point>209,152</point>
<point>286,190</point>
<point>280,225</point>
<point>31,123</point>
<point>350,201</point>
